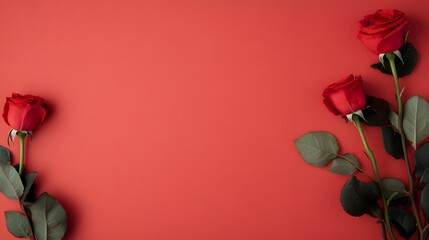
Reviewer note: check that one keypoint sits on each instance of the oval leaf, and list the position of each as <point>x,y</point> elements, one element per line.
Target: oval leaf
<point>18,224</point>
<point>424,202</point>
<point>403,221</point>
<point>392,142</point>
<point>10,182</point>
<point>393,188</point>
<point>359,198</point>
<point>29,180</point>
<point>403,201</point>
<point>317,148</point>
<point>393,118</point>
<point>377,113</point>
<point>4,155</point>
<point>425,176</point>
<point>421,159</point>
<point>49,218</point>
<point>344,165</point>
<point>416,120</point>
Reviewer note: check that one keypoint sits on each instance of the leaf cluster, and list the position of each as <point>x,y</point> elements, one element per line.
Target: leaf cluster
<point>42,218</point>
<point>358,198</point>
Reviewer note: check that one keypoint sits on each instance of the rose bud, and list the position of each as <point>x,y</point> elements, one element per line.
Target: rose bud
<point>24,112</point>
<point>346,96</point>
<point>382,32</point>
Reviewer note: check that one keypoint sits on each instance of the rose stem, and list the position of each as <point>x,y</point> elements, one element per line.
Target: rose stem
<point>21,136</point>
<point>383,229</point>
<point>371,156</point>
<point>28,219</point>
<point>391,58</point>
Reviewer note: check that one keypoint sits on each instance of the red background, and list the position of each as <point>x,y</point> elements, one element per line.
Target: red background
<point>176,119</point>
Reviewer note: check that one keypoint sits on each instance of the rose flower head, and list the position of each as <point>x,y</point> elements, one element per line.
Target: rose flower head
<point>346,96</point>
<point>382,32</point>
<point>24,112</point>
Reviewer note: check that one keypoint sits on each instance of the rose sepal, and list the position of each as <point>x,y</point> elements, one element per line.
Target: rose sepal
<point>381,58</point>
<point>359,113</point>
<point>397,53</point>
<point>14,132</point>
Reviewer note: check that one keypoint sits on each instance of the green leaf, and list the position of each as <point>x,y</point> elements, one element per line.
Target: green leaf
<point>344,165</point>
<point>403,221</point>
<point>393,188</point>
<point>409,55</point>
<point>4,155</point>
<point>18,224</point>
<point>10,182</point>
<point>377,113</point>
<point>421,159</point>
<point>49,218</point>
<point>392,142</point>
<point>16,166</point>
<point>359,198</point>
<point>425,176</point>
<point>393,118</point>
<point>29,180</point>
<point>424,202</point>
<point>403,201</point>
<point>317,148</point>
<point>416,120</point>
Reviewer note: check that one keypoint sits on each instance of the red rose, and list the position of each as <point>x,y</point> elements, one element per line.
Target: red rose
<point>346,96</point>
<point>382,32</point>
<point>24,113</point>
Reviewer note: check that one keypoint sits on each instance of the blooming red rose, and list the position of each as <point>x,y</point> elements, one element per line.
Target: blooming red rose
<point>24,112</point>
<point>346,96</point>
<point>382,32</point>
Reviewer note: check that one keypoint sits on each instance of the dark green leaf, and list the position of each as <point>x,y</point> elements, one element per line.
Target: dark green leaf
<point>29,180</point>
<point>375,188</point>
<point>317,148</point>
<point>359,198</point>
<point>425,176</point>
<point>18,224</point>
<point>403,221</point>
<point>393,118</point>
<point>344,165</point>
<point>4,155</point>
<point>409,55</point>
<point>393,188</point>
<point>377,113</point>
<point>10,182</point>
<point>392,142</point>
<point>400,201</point>
<point>424,202</point>
<point>16,166</point>
<point>49,218</point>
<point>421,159</point>
<point>416,119</point>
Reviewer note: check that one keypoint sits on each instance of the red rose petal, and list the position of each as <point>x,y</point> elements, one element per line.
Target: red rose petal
<point>33,118</point>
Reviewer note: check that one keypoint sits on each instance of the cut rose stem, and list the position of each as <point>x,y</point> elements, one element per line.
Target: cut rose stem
<point>28,219</point>
<point>391,58</point>
<point>21,136</point>
<point>371,156</point>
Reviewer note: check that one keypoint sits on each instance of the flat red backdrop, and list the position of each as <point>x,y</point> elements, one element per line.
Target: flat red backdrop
<point>175,119</point>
